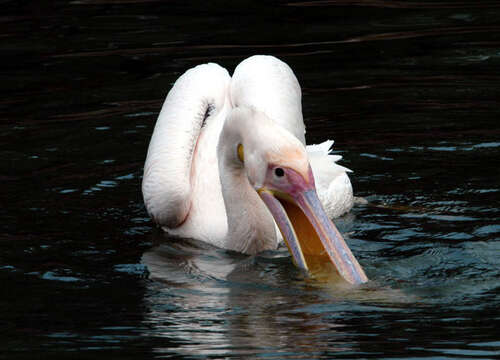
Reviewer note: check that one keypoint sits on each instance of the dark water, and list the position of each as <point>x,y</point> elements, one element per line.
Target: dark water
<point>410,92</point>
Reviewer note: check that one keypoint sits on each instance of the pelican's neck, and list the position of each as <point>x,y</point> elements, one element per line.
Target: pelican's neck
<point>250,225</point>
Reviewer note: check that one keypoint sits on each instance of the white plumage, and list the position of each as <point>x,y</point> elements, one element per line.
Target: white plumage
<point>183,172</point>
<point>332,183</point>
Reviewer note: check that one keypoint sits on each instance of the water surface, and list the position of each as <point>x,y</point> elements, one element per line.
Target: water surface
<point>408,90</point>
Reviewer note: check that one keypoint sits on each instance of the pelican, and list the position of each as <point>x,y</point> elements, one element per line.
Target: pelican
<point>227,163</point>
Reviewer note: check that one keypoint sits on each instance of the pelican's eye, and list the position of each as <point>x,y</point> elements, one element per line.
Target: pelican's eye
<point>241,154</point>
<point>279,172</point>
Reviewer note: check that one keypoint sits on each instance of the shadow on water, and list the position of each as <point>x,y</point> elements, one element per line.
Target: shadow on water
<point>409,91</point>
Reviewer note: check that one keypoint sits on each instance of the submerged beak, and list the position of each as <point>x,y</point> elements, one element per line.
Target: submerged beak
<point>308,232</point>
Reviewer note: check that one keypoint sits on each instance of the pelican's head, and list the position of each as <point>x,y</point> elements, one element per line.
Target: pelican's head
<point>277,166</point>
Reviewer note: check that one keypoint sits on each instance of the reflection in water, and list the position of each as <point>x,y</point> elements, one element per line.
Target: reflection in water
<point>218,303</point>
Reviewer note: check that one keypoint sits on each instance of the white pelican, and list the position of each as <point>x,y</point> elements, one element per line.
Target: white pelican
<point>227,159</point>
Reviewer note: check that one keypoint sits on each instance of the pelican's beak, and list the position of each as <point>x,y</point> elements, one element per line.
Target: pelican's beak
<point>308,232</point>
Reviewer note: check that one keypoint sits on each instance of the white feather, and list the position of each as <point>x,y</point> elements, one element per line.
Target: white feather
<point>183,172</point>
<point>332,183</point>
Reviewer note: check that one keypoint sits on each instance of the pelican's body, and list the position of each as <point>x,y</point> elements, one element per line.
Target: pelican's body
<point>196,183</point>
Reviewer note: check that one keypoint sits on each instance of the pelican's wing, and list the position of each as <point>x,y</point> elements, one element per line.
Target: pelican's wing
<point>167,184</point>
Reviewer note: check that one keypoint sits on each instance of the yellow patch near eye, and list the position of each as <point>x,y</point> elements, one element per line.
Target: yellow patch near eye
<point>241,155</point>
